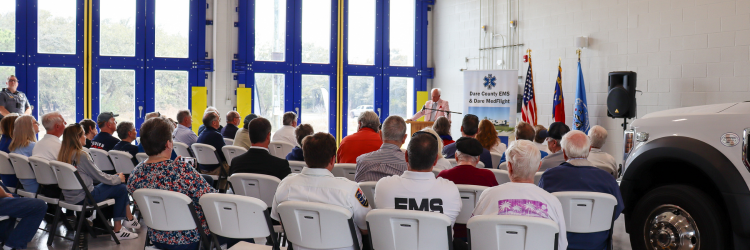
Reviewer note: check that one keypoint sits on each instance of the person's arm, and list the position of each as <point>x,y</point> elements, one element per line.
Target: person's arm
<point>420,113</point>
<point>218,143</point>
<point>85,163</point>
<point>360,207</point>
<point>28,107</point>
<point>3,111</point>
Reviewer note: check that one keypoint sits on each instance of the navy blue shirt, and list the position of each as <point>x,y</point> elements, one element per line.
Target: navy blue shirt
<point>5,143</point>
<point>104,141</point>
<point>128,147</point>
<point>450,152</point>
<point>229,131</point>
<point>568,177</point>
<point>212,137</point>
<point>295,155</point>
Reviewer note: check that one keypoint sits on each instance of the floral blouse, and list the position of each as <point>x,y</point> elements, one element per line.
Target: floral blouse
<point>175,176</point>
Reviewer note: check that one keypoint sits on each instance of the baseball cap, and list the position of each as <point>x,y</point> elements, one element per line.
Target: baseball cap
<point>557,130</point>
<point>249,118</point>
<point>105,116</point>
<point>469,146</point>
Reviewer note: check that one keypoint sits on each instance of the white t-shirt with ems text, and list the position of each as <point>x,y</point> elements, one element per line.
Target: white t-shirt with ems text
<point>524,199</point>
<point>419,191</point>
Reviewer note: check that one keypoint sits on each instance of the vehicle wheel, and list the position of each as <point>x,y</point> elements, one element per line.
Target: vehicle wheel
<point>678,217</point>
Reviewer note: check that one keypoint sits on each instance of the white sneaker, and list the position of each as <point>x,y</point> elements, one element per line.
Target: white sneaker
<point>7,248</point>
<point>126,235</point>
<point>132,224</point>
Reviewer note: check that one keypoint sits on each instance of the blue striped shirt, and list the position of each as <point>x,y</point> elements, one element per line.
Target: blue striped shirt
<point>386,161</point>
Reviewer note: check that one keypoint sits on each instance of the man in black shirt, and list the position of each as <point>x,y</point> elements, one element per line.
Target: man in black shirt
<point>126,132</point>
<point>89,128</point>
<point>257,159</point>
<point>233,119</point>
<point>107,125</point>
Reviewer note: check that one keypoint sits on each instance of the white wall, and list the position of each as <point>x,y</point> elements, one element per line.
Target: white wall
<point>686,52</point>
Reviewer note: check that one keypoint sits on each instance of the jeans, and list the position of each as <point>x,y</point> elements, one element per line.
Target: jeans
<point>118,192</point>
<point>30,185</point>
<point>30,211</point>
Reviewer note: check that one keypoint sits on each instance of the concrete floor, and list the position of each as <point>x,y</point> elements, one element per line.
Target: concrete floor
<point>621,240</point>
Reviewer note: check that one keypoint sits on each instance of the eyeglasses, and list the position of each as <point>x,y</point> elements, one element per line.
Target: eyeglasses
<point>423,132</point>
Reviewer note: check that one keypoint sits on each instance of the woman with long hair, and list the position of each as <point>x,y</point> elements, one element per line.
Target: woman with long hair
<point>7,125</point>
<point>487,136</point>
<point>24,138</point>
<point>111,186</point>
<point>443,127</point>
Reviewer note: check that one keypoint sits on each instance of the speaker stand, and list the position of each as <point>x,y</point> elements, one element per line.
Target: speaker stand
<point>625,124</point>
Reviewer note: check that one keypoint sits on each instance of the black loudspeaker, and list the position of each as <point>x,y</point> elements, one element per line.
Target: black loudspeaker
<point>621,97</point>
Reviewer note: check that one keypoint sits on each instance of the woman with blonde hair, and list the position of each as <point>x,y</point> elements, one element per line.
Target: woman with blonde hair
<point>487,136</point>
<point>24,138</point>
<point>6,125</point>
<point>442,163</point>
<point>111,186</point>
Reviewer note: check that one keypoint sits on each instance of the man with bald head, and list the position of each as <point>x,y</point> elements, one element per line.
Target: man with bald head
<point>233,121</point>
<point>579,174</point>
<point>436,107</point>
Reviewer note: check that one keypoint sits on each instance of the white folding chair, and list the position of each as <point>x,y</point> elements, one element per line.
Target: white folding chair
<point>512,232</point>
<point>496,159</point>
<point>480,164</point>
<point>238,217</point>
<point>23,172</point>
<point>503,166</point>
<point>6,167</point>
<point>169,211</point>
<point>182,149</point>
<point>122,160</point>
<point>232,151</point>
<point>46,176</point>
<point>69,179</point>
<point>452,161</point>
<point>141,157</point>
<point>436,172</point>
<point>297,166</point>
<point>501,176</point>
<point>258,186</point>
<point>368,188</point>
<point>537,177</point>
<point>392,229</point>
<point>317,225</point>
<point>469,197</point>
<point>206,155</point>
<point>228,141</point>
<point>101,160</point>
<point>280,148</point>
<point>588,212</point>
<point>347,170</point>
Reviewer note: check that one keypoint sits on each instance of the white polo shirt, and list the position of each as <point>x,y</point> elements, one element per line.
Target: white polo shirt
<point>48,147</point>
<point>524,199</point>
<point>285,134</point>
<point>419,191</point>
<point>319,185</point>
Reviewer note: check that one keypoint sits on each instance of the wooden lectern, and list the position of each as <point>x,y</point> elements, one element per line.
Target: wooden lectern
<point>418,125</point>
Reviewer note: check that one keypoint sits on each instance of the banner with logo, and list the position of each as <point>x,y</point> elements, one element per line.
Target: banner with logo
<point>492,94</point>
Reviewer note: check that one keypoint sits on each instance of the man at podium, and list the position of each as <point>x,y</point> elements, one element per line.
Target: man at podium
<point>434,108</point>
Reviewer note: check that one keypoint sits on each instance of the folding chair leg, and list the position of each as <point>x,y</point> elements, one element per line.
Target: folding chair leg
<point>52,228</point>
<point>106,224</point>
<point>215,242</point>
<point>81,220</point>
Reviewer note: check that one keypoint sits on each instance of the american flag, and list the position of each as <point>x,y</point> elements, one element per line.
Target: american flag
<point>528,109</point>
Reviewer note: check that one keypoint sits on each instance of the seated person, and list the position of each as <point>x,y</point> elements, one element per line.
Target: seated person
<point>389,159</point>
<point>233,119</point>
<point>184,132</point>
<point>286,132</point>
<point>242,137</point>
<point>317,184</point>
<point>89,126</point>
<point>30,212</point>
<point>111,186</point>
<point>539,138</point>
<point>211,136</point>
<point>24,139</point>
<point>579,174</point>
<point>511,198</point>
<point>202,127</point>
<point>157,142</point>
<point>555,133</point>
<point>599,158</point>
<point>126,132</point>
<point>6,128</point>
<point>487,136</point>
<point>300,132</point>
<point>442,163</point>
<point>418,184</point>
<point>107,125</point>
<point>257,160</point>
<point>524,131</point>
<point>443,127</point>
<point>469,128</point>
<point>364,141</point>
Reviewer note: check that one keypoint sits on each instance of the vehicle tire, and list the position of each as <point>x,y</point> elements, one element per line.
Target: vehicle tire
<point>665,217</point>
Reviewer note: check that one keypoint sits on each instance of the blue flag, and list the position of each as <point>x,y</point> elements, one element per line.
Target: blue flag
<point>580,109</point>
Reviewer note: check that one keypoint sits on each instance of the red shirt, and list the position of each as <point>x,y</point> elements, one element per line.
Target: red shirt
<point>469,175</point>
<point>366,140</point>
<point>446,142</point>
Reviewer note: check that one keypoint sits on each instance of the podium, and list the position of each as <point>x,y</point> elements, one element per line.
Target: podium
<point>418,125</point>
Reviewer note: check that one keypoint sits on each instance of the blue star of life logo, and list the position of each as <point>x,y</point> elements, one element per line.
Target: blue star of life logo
<point>489,81</point>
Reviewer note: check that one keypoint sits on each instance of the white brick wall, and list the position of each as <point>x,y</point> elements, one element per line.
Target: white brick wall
<point>686,52</point>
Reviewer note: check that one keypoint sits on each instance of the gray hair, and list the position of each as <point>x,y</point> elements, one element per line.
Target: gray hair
<point>524,157</point>
<point>369,119</point>
<point>394,128</point>
<point>288,118</point>
<point>461,157</point>
<point>576,144</point>
<point>440,141</point>
<point>211,109</point>
<point>598,135</point>
<point>50,119</point>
